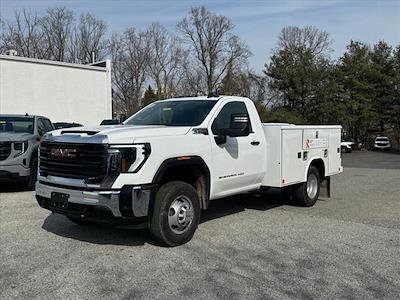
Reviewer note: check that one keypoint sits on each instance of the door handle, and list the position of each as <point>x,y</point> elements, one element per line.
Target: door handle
<point>255,143</point>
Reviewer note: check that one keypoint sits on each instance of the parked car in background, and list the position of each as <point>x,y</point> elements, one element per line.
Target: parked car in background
<point>19,141</point>
<point>60,125</point>
<point>382,143</point>
<point>356,144</point>
<point>346,146</point>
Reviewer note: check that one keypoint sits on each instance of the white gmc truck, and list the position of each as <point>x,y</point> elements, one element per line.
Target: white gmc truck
<point>164,164</point>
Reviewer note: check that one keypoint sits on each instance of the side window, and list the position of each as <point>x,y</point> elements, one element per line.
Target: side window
<point>44,126</point>
<point>48,125</point>
<point>223,120</point>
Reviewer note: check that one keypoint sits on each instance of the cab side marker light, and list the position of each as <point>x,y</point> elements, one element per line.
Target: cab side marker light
<point>184,158</point>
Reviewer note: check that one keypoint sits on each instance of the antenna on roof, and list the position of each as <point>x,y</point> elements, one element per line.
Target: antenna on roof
<point>213,94</point>
<point>26,114</point>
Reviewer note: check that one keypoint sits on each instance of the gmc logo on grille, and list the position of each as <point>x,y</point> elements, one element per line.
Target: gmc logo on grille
<point>63,152</point>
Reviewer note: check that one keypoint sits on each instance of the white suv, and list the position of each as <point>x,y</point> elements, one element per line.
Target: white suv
<point>382,143</point>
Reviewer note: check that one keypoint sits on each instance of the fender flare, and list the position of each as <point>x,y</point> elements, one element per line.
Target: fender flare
<point>187,160</point>
<point>309,164</point>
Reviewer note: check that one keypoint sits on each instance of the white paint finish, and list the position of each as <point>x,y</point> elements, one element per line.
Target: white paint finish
<point>276,156</point>
<point>237,164</point>
<point>292,166</point>
<point>59,91</point>
<point>285,141</point>
<point>334,152</point>
<point>273,155</point>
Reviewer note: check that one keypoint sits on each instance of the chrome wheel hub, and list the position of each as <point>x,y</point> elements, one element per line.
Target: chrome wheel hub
<point>312,186</point>
<point>180,214</point>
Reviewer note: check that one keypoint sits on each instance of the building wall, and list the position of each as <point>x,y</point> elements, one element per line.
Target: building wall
<point>59,91</point>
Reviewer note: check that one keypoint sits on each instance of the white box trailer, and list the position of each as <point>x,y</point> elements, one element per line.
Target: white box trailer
<point>291,148</point>
<point>63,92</point>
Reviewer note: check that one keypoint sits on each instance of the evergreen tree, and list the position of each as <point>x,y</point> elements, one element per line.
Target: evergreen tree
<point>149,96</point>
<point>299,72</point>
<point>357,89</point>
<point>394,105</point>
<point>383,74</point>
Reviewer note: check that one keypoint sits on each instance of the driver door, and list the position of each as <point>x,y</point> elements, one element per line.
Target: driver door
<point>236,163</point>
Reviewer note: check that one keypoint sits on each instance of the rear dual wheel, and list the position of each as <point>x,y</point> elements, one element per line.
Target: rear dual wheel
<point>307,193</point>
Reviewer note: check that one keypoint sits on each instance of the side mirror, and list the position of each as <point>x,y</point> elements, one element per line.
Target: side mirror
<point>220,139</point>
<point>240,125</point>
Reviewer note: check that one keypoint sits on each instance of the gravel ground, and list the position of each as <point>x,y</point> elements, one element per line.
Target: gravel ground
<point>347,246</point>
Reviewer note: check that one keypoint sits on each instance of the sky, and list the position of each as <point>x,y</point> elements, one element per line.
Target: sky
<point>258,23</point>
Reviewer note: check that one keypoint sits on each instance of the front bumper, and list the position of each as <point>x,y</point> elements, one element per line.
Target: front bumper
<point>131,203</point>
<point>13,172</point>
<point>381,147</point>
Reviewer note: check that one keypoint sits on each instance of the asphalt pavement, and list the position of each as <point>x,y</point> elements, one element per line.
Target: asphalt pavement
<point>249,247</point>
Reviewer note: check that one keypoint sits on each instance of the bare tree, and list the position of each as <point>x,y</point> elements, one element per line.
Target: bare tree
<point>247,84</point>
<point>166,60</point>
<point>88,38</point>
<point>317,41</point>
<point>193,81</point>
<point>130,56</point>
<point>25,35</point>
<point>56,25</point>
<point>213,44</point>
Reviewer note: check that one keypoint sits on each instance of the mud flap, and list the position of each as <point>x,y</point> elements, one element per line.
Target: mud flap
<point>325,189</point>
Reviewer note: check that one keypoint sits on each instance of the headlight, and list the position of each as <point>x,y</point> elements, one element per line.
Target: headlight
<point>20,147</point>
<point>128,158</point>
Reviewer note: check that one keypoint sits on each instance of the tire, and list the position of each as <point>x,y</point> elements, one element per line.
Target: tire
<point>307,193</point>
<point>33,174</point>
<point>176,214</point>
<point>78,221</point>
<point>287,194</point>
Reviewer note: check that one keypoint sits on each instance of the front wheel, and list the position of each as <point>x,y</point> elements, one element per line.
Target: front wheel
<point>176,213</point>
<point>33,174</point>
<point>307,193</point>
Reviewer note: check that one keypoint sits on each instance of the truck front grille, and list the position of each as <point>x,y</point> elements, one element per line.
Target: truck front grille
<point>5,150</point>
<point>80,161</point>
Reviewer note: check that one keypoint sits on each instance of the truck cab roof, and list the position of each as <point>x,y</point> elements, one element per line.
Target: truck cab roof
<point>21,116</point>
<point>213,98</point>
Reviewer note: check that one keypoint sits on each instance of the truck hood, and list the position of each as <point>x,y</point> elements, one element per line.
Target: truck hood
<point>113,134</point>
<point>14,136</point>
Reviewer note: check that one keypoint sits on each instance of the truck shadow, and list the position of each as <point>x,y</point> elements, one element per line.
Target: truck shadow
<point>231,205</point>
<point>10,187</point>
<point>110,235</point>
<point>94,233</point>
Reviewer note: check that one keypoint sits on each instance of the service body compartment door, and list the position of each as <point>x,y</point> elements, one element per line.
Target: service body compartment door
<point>315,139</point>
<point>292,165</point>
<point>334,155</point>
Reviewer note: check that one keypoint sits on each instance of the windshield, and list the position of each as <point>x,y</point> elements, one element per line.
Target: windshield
<point>173,113</point>
<point>16,124</point>
<point>381,139</point>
